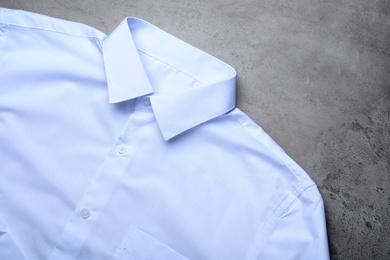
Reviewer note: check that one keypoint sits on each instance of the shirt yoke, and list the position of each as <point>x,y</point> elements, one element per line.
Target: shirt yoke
<point>42,22</point>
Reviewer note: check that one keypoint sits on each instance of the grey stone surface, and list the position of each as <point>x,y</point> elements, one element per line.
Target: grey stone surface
<point>314,74</point>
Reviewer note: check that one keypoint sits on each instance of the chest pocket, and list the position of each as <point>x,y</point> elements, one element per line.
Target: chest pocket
<point>137,245</point>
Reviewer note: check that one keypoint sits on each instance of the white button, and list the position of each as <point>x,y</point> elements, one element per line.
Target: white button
<point>146,102</point>
<point>122,149</point>
<point>85,213</point>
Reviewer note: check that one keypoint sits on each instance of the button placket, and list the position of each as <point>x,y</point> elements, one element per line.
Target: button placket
<point>97,195</point>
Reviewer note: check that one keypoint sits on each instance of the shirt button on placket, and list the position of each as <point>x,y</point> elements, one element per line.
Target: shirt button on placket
<point>85,213</point>
<point>146,102</point>
<point>122,149</point>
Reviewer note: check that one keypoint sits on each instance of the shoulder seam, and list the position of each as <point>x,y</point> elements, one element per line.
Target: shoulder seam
<point>293,172</point>
<point>2,36</point>
<point>50,30</point>
<point>30,20</point>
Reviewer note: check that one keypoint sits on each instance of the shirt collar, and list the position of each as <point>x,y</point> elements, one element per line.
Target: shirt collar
<point>178,111</point>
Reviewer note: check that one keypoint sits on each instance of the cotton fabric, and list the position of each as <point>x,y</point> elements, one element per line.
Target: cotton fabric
<point>129,146</point>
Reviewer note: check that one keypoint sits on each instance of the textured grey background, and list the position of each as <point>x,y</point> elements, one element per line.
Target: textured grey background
<point>314,74</point>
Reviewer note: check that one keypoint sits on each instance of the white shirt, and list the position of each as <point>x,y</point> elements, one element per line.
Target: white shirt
<point>129,146</point>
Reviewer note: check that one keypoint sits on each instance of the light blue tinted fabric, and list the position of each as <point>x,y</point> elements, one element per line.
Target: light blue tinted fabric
<point>129,146</point>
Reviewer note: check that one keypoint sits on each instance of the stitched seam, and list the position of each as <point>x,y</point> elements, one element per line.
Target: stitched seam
<point>2,37</point>
<point>50,30</point>
<point>301,184</point>
<point>147,53</point>
<point>130,232</point>
<point>264,230</point>
<point>134,254</point>
<point>178,130</point>
<point>121,248</point>
<point>260,243</point>
<point>232,71</point>
<point>235,117</point>
<point>96,38</point>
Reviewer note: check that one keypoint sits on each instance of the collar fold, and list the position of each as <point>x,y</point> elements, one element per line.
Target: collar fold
<point>177,111</point>
<point>126,77</point>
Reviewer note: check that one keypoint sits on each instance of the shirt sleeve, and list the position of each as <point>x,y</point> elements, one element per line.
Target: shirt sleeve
<point>300,233</point>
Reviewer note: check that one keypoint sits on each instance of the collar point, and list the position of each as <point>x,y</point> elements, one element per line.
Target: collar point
<point>168,136</point>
